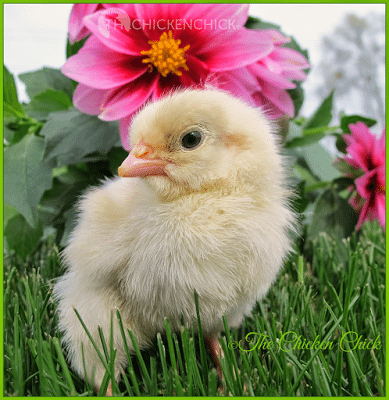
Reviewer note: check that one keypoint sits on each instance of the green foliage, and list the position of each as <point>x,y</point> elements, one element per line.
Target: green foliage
<point>47,102</point>
<point>256,23</point>
<point>21,236</point>
<point>11,102</point>
<point>333,215</point>
<point>26,176</point>
<point>346,120</point>
<point>338,290</point>
<point>42,136</point>
<point>44,79</point>
<point>322,116</point>
<point>71,135</point>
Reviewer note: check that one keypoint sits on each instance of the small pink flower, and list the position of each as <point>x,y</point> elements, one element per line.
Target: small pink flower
<point>134,55</point>
<point>367,156</point>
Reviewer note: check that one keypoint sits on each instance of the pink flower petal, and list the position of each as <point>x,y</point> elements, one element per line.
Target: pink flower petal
<point>201,17</point>
<point>89,100</point>
<point>276,37</point>
<point>100,67</point>
<point>380,201</point>
<point>381,175</point>
<point>289,59</point>
<point>106,26</point>
<point>278,97</point>
<point>124,126</point>
<point>270,110</point>
<point>231,82</point>
<point>294,75</point>
<point>246,77</point>
<point>165,85</point>
<point>227,50</point>
<point>378,156</point>
<point>352,162</point>
<point>270,65</point>
<point>219,16</point>
<point>360,156</point>
<point>77,29</point>
<point>198,70</point>
<point>273,78</point>
<point>362,135</point>
<point>127,99</point>
<point>363,182</point>
<point>156,19</point>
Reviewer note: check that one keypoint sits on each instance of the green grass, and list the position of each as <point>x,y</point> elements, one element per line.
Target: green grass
<point>338,289</point>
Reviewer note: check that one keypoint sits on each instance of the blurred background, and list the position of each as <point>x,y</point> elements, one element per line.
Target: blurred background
<point>346,44</point>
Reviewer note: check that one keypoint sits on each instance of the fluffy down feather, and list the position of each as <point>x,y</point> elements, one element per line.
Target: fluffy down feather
<point>211,218</point>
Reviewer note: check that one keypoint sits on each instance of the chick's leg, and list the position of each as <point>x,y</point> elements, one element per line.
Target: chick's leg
<point>216,353</point>
<point>95,308</point>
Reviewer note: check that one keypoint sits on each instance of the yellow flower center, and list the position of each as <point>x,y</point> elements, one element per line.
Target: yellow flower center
<point>166,55</point>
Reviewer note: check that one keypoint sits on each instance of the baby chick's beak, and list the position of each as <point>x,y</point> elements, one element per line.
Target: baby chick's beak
<point>142,162</point>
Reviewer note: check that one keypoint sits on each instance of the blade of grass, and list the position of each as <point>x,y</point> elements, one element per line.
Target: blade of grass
<point>165,371</point>
<point>142,364</point>
<point>127,350</point>
<point>64,367</point>
<point>203,356</point>
<point>238,380</point>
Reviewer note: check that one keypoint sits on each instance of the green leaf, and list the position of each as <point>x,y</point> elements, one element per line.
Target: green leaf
<point>26,176</point>
<point>341,144</point>
<point>256,23</point>
<point>346,169</point>
<point>304,140</point>
<point>304,172</point>
<point>12,106</point>
<point>346,120</point>
<point>46,78</point>
<point>343,183</point>
<point>319,160</point>
<point>47,102</point>
<point>71,135</point>
<point>64,193</point>
<point>72,49</point>
<point>11,111</point>
<point>9,212</point>
<point>116,156</point>
<point>323,115</point>
<point>16,131</point>
<point>301,201</point>
<point>333,215</point>
<point>21,237</point>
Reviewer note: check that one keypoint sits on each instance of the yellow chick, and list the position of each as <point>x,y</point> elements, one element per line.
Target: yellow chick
<point>201,205</point>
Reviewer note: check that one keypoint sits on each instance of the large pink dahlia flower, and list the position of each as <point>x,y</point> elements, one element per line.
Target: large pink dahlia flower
<point>367,158</point>
<point>139,51</point>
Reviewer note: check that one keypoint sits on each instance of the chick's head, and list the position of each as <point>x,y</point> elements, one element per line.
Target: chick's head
<point>199,140</point>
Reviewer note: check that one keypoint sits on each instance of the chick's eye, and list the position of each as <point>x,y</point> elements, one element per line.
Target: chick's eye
<point>191,140</point>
